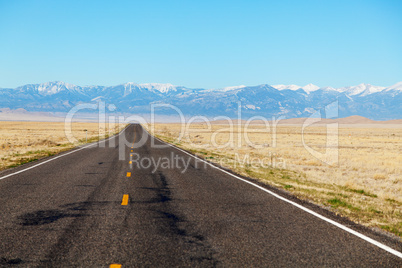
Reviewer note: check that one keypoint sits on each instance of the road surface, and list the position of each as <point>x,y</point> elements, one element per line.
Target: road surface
<point>85,209</point>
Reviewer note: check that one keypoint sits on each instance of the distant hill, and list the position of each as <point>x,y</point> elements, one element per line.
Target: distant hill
<point>287,101</point>
<point>354,119</point>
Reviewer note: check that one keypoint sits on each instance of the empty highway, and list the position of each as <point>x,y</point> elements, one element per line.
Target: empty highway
<point>92,207</point>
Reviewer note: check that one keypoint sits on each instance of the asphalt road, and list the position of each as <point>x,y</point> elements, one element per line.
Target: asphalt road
<point>70,211</point>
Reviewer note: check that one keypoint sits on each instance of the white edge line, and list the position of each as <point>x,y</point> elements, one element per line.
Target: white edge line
<point>54,158</point>
<point>343,227</point>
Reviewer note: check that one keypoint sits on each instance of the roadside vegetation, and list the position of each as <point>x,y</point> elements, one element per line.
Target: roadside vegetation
<point>365,185</point>
<point>24,142</point>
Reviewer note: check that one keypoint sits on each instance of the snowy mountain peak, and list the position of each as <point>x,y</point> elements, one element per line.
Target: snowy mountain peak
<point>283,87</point>
<point>397,86</point>
<point>232,88</point>
<point>163,88</point>
<point>330,89</point>
<point>364,99</point>
<point>362,89</point>
<point>130,84</point>
<point>50,88</point>
<point>310,88</point>
<point>57,83</point>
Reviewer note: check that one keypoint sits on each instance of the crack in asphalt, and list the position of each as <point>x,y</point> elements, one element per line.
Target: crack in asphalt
<point>172,224</point>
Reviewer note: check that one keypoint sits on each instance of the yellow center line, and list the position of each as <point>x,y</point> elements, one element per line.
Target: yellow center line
<point>124,201</point>
<point>131,150</point>
<point>130,162</point>
<point>115,265</point>
<point>135,136</point>
<point>128,174</point>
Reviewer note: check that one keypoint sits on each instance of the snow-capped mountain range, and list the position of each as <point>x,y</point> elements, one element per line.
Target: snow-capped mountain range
<point>289,101</point>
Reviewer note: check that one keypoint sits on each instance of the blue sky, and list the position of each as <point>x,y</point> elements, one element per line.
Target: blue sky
<point>208,44</point>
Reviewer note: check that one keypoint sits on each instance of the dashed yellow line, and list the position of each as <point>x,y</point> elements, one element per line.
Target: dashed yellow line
<point>128,174</point>
<point>124,201</point>
<point>115,265</point>
<point>130,162</point>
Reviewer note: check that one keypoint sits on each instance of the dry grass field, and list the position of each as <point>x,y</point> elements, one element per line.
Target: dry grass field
<point>364,185</point>
<point>23,142</point>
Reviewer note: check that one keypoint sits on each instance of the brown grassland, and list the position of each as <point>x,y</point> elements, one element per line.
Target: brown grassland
<point>23,142</point>
<point>365,185</point>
